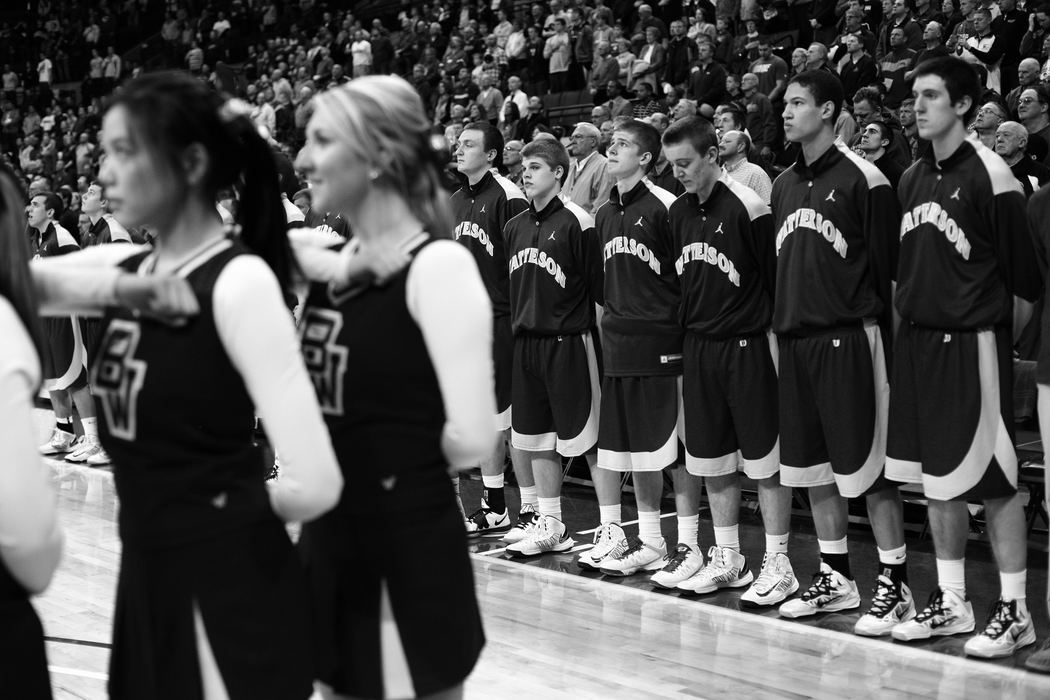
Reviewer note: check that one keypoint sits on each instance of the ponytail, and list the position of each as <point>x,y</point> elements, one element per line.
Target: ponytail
<point>260,212</point>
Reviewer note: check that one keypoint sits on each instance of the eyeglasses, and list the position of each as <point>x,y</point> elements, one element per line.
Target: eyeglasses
<point>1028,100</point>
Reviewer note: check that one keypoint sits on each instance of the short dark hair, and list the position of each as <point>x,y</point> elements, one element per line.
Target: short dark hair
<point>52,201</point>
<point>551,152</point>
<point>884,130</point>
<point>647,137</point>
<point>960,80</point>
<point>824,86</point>
<point>491,139</point>
<point>870,95</point>
<point>697,132</point>
<point>738,117</point>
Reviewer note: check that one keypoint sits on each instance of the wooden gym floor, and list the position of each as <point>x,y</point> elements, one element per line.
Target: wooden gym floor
<point>554,633</point>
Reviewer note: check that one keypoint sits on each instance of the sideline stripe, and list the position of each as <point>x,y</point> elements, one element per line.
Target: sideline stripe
<point>79,642</point>
<point>629,522</point>
<point>1028,680</point>
<point>77,672</point>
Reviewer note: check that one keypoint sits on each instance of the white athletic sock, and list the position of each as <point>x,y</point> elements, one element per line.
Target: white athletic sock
<point>90,426</point>
<point>833,546</point>
<point>1013,588</point>
<point>649,526</point>
<point>777,543</point>
<point>551,507</point>
<point>728,537</point>
<point>951,574</point>
<point>610,514</point>
<point>893,557</point>
<point>689,531</point>
<point>528,496</point>
<point>492,482</point>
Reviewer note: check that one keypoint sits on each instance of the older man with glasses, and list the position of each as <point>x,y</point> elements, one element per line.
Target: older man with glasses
<point>1032,109</point>
<point>588,182</point>
<point>989,117</point>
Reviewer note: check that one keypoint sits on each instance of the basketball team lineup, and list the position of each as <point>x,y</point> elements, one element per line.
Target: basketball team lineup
<point>289,413</point>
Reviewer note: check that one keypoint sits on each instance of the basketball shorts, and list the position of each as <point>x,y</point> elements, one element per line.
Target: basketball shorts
<point>834,399</point>
<point>556,394</point>
<point>502,361</point>
<point>731,406</point>
<point>951,412</point>
<point>62,359</point>
<point>640,425</point>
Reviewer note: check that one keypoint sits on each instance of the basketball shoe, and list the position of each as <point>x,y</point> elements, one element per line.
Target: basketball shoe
<point>725,568</point>
<point>679,565</point>
<point>485,521</point>
<point>829,592</point>
<point>776,581</point>
<point>99,459</point>
<point>1007,630</point>
<point>546,535</point>
<point>526,518</point>
<point>606,538</point>
<point>59,443</point>
<point>946,613</point>
<point>891,605</point>
<point>631,554</point>
<point>85,447</point>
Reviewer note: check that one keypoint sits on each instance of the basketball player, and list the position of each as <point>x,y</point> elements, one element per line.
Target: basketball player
<point>29,533</point>
<point>104,229</point>
<point>555,281</point>
<point>404,375</point>
<point>65,378</point>
<point>726,261</point>
<point>640,417</point>
<point>836,218</point>
<point>204,548</point>
<point>481,209</point>
<point>965,253</point>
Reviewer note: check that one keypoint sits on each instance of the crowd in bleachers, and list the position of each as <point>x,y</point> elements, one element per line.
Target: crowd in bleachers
<point>529,68</point>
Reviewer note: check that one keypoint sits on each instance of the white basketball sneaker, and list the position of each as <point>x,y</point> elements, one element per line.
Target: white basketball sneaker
<point>829,592</point>
<point>679,565</point>
<point>60,442</point>
<point>945,614</point>
<point>1008,630</point>
<point>725,568</point>
<point>546,535</point>
<point>84,448</point>
<point>776,581</point>
<point>632,554</point>
<point>891,605</point>
<point>606,538</point>
<point>527,517</point>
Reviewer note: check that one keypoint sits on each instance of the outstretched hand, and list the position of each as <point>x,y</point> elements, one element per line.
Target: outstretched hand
<point>169,300</point>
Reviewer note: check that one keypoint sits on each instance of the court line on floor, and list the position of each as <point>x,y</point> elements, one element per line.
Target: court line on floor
<point>78,642</point>
<point>629,522</point>
<point>62,670</point>
<point>876,645</point>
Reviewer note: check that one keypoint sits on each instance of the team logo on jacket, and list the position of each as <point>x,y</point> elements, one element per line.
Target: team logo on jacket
<point>119,376</point>
<point>815,221</point>
<point>702,252</point>
<point>535,256</point>
<point>933,214</point>
<point>325,359</point>
<point>472,230</point>
<point>622,245</point>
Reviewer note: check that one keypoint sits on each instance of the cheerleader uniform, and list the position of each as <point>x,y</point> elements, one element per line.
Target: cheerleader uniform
<point>210,590</point>
<point>384,627</point>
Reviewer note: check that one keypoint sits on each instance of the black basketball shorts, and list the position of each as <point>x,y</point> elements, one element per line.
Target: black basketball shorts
<point>951,412</point>
<point>731,419</point>
<point>834,399</point>
<point>640,425</point>
<point>555,393</point>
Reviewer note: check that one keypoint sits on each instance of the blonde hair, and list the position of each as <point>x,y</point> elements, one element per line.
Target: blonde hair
<point>381,118</point>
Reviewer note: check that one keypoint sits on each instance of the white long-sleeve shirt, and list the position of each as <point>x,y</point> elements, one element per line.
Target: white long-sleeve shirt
<point>30,537</point>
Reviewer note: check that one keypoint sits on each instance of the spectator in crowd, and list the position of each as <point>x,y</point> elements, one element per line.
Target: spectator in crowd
<point>894,65</point>
<point>1032,108</point>
<point>707,81</point>
<point>989,116</point>
<point>983,48</point>
<point>875,138</point>
<point>858,70</point>
<point>681,54</point>
<point>761,119</point>
<point>1011,141</point>
<point>1027,75</point>
<point>734,147</point>
<point>618,105</point>
<point>588,181</point>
